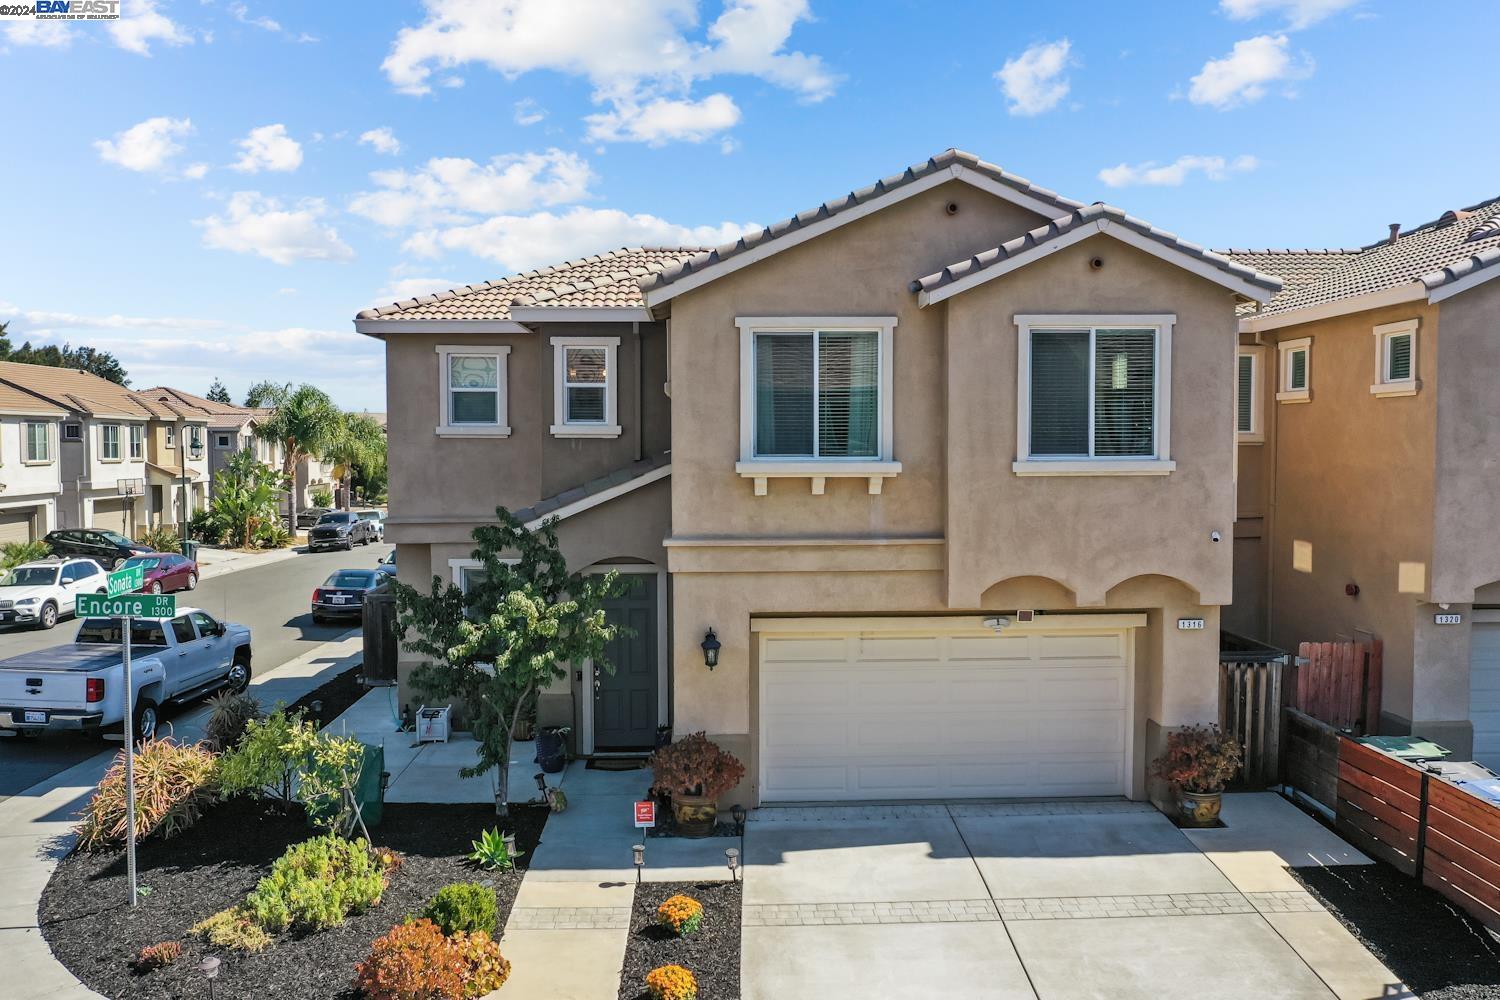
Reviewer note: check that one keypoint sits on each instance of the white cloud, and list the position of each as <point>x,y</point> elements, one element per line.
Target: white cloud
<point>43,322</point>
<point>149,145</point>
<point>195,171</point>
<point>664,120</point>
<point>1244,75</point>
<point>43,34</point>
<point>1298,13</point>
<point>519,242</point>
<point>255,223</point>
<point>1035,81</point>
<point>242,14</point>
<point>454,189</point>
<point>409,288</point>
<point>382,140</point>
<point>268,148</point>
<point>141,24</point>
<point>634,52</point>
<point>1173,174</point>
<point>528,112</point>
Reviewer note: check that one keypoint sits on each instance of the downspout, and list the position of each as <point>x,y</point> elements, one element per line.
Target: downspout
<point>640,390</point>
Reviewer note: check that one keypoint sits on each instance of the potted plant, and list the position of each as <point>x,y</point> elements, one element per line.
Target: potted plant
<point>1199,761</point>
<point>695,771</point>
<point>552,747</point>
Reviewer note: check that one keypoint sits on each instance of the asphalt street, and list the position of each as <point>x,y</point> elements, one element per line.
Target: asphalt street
<point>272,600</point>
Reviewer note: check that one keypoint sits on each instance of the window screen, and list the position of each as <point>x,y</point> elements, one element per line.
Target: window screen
<point>1124,392</point>
<point>1398,357</point>
<point>1244,395</point>
<point>585,381</point>
<point>1296,370</point>
<point>1093,393</point>
<point>817,394</point>
<point>1060,392</point>
<point>473,389</point>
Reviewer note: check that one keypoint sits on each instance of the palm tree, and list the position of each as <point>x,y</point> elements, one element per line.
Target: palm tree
<point>245,497</point>
<point>358,442</point>
<point>305,422</point>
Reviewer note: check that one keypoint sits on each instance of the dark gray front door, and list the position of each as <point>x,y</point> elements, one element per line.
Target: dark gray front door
<point>625,701</point>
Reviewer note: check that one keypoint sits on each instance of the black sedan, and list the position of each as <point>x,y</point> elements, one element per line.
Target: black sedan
<point>103,546</point>
<point>343,594</point>
<point>340,529</point>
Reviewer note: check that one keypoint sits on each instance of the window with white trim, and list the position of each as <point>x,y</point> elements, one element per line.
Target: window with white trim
<point>137,441</point>
<point>817,394</point>
<point>171,436</point>
<point>473,390</point>
<point>1294,383</point>
<point>109,442</point>
<point>1248,419</point>
<point>38,442</point>
<point>1396,359</point>
<point>585,386</point>
<point>1092,395</point>
<point>221,440</point>
<point>72,432</point>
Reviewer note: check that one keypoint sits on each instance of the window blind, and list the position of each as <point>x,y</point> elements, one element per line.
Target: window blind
<point>784,394</point>
<point>473,389</point>
<point>848,394</point>
<point>1124,392</point>
<point>1297,376</point>
<point>1244,395</point>
<point>1398,365</point>
<point>1059,392</point>
<point>586,377</point>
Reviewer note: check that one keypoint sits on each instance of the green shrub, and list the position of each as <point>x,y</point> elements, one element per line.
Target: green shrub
<point>229,715</point>
<point>203,527</point>
<point>173,784</point>
<point>273,535</point>
<point>322,497</point>
<point>232,928</point>
<point>16,553</point>
<point>463,907</point>
<point>162,538</point>
<point>490,851</point>
<point>316,884</point>
<point>265,760</point>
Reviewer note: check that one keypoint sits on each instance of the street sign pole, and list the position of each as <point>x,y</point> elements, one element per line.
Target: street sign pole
<point>127,725</point>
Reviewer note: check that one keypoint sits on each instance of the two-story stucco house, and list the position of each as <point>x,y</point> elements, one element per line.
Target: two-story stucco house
<point>946,465</point>
<point>30,480</point>
<point>177,461</point>
<point>1369,466</point>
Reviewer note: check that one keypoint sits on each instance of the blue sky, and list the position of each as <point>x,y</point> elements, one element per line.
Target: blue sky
<point>213,189</point>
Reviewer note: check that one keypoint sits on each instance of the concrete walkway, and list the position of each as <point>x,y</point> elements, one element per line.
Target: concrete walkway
<point>36,829</point>
<point>213,563</point>
<point>1045,899</point>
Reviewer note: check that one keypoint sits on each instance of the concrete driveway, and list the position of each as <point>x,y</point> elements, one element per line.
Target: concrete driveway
<point>1049,900</point>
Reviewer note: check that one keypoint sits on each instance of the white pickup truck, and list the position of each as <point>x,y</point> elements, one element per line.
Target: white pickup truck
<point>81,687</point>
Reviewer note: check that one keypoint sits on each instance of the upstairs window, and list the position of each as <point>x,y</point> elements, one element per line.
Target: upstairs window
<point>1248,419</point>
<point>109,442</point>
<point>474,398</point>
<point>1296,371</point>
<point>137,440</point>
<point>585,387</point>
<point>1091,395</point>
<point>1396,359</point>
<point>171,436</point>
<point>817,394</point>
<point>72,432</point>
<point>38,443</point>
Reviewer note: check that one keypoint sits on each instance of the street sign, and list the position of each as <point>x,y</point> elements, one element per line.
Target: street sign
<point>645,814</point>
<point>123,581</point>
<point>127,605</point>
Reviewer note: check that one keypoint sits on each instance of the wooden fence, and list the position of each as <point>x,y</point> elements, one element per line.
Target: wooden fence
<point>1310,757</point>
<point>1339,683</point>
<point>1422,825</point>
<point>1251,694</point>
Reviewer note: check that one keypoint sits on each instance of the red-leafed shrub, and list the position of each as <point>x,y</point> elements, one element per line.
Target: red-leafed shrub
<point>695,765</point>
<point>158,956</point>
<point>415,961</point>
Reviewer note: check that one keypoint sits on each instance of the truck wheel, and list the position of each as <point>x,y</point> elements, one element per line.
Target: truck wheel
<point>238,678</point>
<point>48,616</point>
<point>145,720</point>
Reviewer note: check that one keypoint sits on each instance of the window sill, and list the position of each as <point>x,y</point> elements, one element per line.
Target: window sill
<point>1294,396</point>
<point>479,431</point>
<point>586,430</point>
<point>1242,438</point>
<point>1409,388</point>
<point>819,471</point>
<point>1094,467</point>
<point>36,461</point>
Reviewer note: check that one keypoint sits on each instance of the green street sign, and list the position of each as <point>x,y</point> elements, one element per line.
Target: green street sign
<point>133,605</point>
<point>123,581</point>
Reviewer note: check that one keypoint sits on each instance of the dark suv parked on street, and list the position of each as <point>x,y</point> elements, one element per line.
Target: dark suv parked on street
<point>99,544</point>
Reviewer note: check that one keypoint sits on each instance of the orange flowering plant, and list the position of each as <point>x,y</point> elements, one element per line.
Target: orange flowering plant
<point>671,982</point>
<point>683,914</point>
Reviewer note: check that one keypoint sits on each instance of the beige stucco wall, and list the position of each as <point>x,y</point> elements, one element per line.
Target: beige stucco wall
<point>1071,528</point>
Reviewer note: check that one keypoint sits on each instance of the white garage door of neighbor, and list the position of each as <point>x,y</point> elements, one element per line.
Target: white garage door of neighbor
<point>1484,691</point>
<point>110,514</point>
<point>17,526</point>
<point>869,716</point>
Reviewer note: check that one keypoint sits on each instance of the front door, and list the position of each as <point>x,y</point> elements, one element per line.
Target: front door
<point>625,701</point>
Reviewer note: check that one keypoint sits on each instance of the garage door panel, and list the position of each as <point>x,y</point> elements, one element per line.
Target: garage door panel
<point>883,723</point>
<point>790,650</point>
<point>1484,692</point>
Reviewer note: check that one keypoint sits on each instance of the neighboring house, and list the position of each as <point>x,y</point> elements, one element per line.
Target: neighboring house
<point>1369,466</point>
<point>230,429</point>
<point>177,463</point>
<point>101,447</point>
<point>946,465</point>
<point>30,477</point>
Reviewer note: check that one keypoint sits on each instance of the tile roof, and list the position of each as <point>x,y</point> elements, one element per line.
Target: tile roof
<point>608,279</point>
<point>855,199</point>
<point>1435,253</point>
<point>74,390</point>
<point>13,400</point>
<point>1081,217</point>
<point>635,470</point>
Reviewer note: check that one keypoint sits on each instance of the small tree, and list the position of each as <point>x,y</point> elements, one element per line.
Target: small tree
<point>358,443</point>
<point>517,628</point>
<point>218,394</point>
<point>245,497</point>
<point>303,420</point>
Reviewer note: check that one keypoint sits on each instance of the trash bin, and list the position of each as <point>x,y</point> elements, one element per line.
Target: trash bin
<point>369,791</point>
<point>190,549</point>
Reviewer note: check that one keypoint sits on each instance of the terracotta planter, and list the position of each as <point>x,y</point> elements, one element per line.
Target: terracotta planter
<point>695,814</point>
<point>1199,809</point>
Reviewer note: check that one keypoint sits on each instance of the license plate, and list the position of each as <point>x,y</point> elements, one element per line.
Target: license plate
<point>37,717</point>
<point>339,598</point>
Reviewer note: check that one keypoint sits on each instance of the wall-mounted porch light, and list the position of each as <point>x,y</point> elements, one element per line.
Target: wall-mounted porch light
<point>710,650</point>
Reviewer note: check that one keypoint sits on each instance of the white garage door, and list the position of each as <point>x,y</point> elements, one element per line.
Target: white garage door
<point>871,715</point>
<point>1484,691</point>
<point>17,525</point>
<point>110,514</point>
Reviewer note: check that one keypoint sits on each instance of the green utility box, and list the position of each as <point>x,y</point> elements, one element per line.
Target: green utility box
<point>1410,748</point>
<point>369,791</point>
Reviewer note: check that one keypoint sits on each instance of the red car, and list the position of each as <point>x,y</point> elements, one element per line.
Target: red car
<point>164,571</point>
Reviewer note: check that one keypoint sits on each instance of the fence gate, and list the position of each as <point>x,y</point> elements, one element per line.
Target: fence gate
<point>1339,683</point>
<point>1251,693</point>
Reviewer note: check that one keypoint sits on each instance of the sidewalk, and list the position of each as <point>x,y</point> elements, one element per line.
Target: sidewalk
<point>221,562</point>
<point>36,828</point>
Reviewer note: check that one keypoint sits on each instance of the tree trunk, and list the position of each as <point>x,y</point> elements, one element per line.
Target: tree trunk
<point>502,784</point>
<point>289,469</point>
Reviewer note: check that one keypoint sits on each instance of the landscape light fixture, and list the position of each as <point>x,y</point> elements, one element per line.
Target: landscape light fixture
<point>732,859</point>
<point>210,969</point>
<point>638,855</point>
<point>541,783</point>
<point>510,845</point>
<point>711,649</point>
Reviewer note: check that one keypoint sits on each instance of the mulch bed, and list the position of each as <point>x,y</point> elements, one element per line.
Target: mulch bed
<point>336,695</point>
<point>214,864</point>
<point>1436,949</point>
<point>712,954</point>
